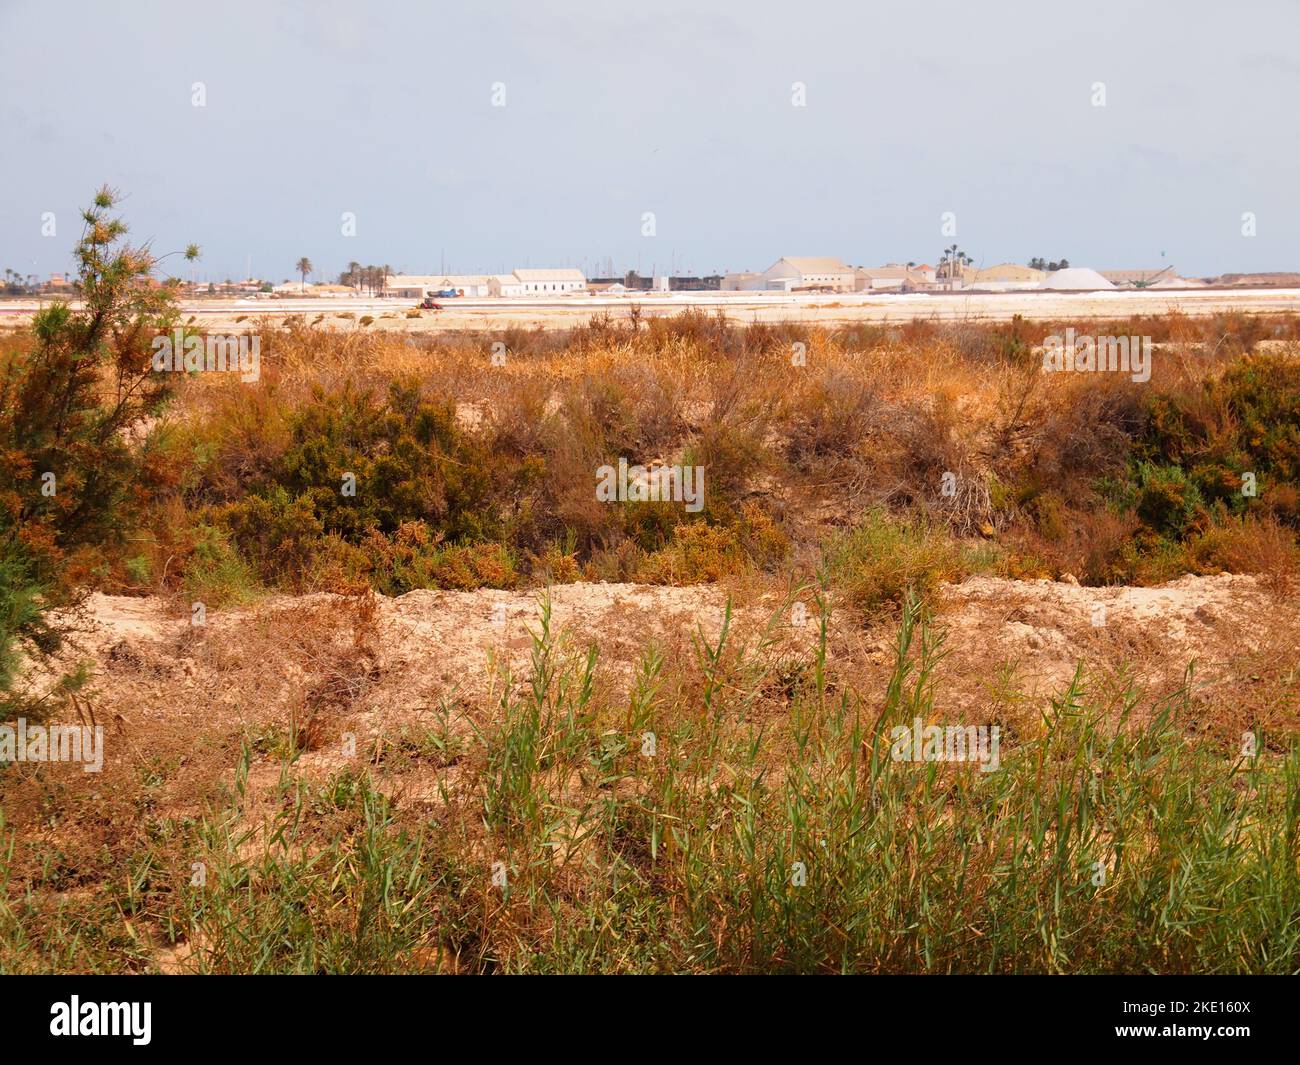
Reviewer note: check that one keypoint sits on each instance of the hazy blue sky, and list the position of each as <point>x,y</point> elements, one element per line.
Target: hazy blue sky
<point>913,109</point>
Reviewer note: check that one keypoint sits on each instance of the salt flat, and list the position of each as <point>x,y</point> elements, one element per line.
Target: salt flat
<point>566,311</point>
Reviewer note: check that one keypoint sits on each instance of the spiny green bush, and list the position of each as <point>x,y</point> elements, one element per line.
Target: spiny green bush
<point>408,459</point>
<point>72,479</point>
<point>1168,501</point>
<point>365,481</point>
<point>1245,421</point>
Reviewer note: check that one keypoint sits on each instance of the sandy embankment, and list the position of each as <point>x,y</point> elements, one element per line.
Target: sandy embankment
<point>430,648</point>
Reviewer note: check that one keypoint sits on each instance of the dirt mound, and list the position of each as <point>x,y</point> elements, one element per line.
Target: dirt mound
<point>425,672</point>
<point>378,656</point>
<point>400,656</point>
<point>1046,627</point>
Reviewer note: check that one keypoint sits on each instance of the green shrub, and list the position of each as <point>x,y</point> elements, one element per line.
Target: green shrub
<point>1246,421</point>
<point>277,532</point>
<point>1167,500</point>
<point>71,474</point>
<point>883,559</point>
<point>216,573</point>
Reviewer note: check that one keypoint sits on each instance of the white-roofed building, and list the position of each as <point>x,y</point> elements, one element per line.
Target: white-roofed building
<point>408,286</point>
<point>892,277</point>
<point>550,282</point>
<point>417,286</point>
<point>801,273</point>
<point>505,285</point>
<point>743,281</point>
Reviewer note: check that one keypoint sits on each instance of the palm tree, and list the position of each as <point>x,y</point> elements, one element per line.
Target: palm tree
<point>952,258</point>
<point>354,274</point>
<point>947,261</point>
<point>304,267</point>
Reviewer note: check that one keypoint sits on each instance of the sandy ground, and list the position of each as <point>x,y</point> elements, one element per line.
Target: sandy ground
<point>407,659</point>
<point>564,312</point>
<point>412,687</point>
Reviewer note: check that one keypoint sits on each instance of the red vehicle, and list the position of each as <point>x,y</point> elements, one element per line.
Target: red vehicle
<point>430,304</point>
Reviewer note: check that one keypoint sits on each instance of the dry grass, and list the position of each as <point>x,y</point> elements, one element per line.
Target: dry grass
<point>527,831</point>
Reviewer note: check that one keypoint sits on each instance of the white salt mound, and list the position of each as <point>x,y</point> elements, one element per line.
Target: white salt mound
<point>1075,279</point>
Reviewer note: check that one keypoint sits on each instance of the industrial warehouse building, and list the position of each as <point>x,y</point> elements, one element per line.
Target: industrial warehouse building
<point>795,274</point>
<point>550,282</point>
<point>417,286</point>
<point>520,283</point>
<point>893,277</point>
<point>745,281</point>
<point>505,285</point>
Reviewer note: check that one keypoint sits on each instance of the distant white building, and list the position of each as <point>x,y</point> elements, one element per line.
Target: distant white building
<point>880,278</point>
<point>746,281</point>
<point>417,286</point>
<point>550,282</point>
<point>505,285</point>
<point>795,273</point>
<point>465,284</point>
<point>893,277</point>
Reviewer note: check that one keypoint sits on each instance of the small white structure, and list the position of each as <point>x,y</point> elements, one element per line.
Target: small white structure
<point>745,281</point>
<point>875,279</point>
<point>660,283</point>
<point>408,286</point>
<point>505,285</point>
<point>465,284</point>
<point>893,277</point>
<point>417,286</point>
